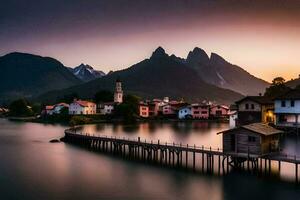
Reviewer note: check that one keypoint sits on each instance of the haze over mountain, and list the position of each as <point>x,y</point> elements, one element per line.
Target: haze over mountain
<point>86,72</point>
<point>161,75</point>
<point>25,75</point>
<point>217,71</point>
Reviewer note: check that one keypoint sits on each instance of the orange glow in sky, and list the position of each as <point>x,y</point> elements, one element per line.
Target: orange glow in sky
<point>260,36</point>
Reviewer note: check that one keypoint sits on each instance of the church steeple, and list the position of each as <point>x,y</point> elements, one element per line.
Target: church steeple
<point>118,95</point>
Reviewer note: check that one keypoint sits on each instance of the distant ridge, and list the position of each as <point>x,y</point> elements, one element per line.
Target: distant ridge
<point>160,75</point>
<point>26,75</point>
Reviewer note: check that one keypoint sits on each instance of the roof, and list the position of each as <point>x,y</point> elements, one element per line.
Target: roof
<point>84,103</point>
<point>221,106</point>
<point>62,104</point>
<point>260,128</point>
<point>200,104</point>
<point>257,99</point>
<point>49,107</point>
<point>293,94</point>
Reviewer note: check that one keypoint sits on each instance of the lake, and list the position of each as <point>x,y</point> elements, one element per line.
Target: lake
<point>33,168</point>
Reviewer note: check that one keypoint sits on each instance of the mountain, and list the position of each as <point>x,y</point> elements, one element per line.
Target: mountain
<point>25,75</point>
<point>86,72</point>
<point>293,83</point>
<point>160,75</point>
<point>217,71</point>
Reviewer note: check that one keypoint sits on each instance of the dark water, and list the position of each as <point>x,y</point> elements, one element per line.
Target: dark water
<point>33,168</point>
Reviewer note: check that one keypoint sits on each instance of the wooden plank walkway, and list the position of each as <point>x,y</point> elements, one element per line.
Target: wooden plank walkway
<point>179,155</point>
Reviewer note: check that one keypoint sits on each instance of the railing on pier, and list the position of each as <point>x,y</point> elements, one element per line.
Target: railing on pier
<point>171,153</point>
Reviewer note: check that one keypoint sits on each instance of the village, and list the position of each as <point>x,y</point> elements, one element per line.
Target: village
<point>147,109</point>
<point>282,112</point>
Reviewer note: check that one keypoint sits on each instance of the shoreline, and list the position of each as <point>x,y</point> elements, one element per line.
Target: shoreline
<point>111,121</point>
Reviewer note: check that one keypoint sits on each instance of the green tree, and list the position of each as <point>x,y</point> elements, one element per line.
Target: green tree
<point>128,110</point>
<point>20,108</point>
<point>278,81</point>
<point>277,88</point>
<point>104,96</point>
<point>36,108</point>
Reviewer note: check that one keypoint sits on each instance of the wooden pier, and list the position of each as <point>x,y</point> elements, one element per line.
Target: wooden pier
<point>200,159</point>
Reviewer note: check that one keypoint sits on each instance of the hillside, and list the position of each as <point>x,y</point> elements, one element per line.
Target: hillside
<point>25,75</point>
<point>217,71</point>
<point>293,83</point>
<point>159,76</point>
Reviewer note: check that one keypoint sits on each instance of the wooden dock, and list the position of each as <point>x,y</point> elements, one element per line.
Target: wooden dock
<point>191,157</point>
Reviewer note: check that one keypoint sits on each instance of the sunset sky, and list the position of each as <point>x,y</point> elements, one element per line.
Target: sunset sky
<point>261,36</point>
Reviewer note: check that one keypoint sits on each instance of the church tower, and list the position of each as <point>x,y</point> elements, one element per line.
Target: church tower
<point>118,96</point>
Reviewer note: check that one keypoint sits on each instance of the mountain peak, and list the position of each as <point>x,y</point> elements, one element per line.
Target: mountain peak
<point>197,55</point>
<point>215,58</point>
<point>159,52</point>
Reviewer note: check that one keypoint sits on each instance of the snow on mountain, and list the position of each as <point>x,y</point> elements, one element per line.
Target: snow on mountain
<point>86,72</point>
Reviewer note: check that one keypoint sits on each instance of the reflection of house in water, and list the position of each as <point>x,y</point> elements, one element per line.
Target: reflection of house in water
<point>254,109</point>
<point>256,138</point>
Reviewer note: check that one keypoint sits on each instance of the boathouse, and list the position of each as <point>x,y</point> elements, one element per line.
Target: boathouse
<point>256,138</point>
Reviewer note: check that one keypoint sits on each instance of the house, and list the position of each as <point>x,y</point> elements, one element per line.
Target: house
<point>59,107</point>
<point>219,111</point>
<point>118,94</point>
<point>106,108</point>
<point>185,112</point>
<point>200,111</point>
<point>287,109</point>
<point>254,109</point>
<point>153,108</point>
<point>54,109</point>
<point>256,138</point>
<point>233,116</point>
<point>80,107</point>
<point>49,110</point>
<point>168,110</point>
<point>144,110</point>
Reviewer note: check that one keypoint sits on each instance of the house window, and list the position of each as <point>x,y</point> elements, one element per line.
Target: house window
<point>246,106</point>
<point>251,139</point>
<point>252,106</point>
<point>292,103</point>
<point>282,103</point>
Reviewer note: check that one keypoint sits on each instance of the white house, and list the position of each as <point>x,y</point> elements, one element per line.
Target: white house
<point>233,116</point>
<point>287,109</point>
<point>185,112</point>
<point>105,108</point>
<point>79,107</point>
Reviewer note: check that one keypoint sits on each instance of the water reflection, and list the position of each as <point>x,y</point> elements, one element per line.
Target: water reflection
<point>41,170</point>
<point>198,133</point>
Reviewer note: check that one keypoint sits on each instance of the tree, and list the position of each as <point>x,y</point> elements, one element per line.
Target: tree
<point>277,88</point>
<point>20,108</point>
<point>104,96</point>
<point>278,81</point>
<point>36,108</point>
<point>128,110</point>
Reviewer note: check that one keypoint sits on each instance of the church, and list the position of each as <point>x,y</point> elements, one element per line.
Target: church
<point>107,108</point>
<point>118,95</point>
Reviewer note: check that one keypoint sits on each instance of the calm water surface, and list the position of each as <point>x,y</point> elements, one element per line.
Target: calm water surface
<point>33,168</point>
